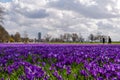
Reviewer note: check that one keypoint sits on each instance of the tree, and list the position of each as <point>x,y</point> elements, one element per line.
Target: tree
<point>81,39</point>
<point>11,38</point>
<point>67,37</point>
<point>91,37</point>
<point>17,37</point>
<point>4,36</point>
<point>74,37</point>
<point>25,39</point>
<point>61,38</point>
<point>47,37</point>
<point>100,37</point>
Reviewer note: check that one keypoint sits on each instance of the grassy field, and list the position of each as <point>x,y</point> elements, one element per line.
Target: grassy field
<point>82,42</point>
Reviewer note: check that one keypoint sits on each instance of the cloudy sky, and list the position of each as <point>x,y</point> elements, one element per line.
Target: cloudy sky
<point>61,16</point>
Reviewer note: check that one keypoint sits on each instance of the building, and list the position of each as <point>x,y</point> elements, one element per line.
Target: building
<point>39,36</point>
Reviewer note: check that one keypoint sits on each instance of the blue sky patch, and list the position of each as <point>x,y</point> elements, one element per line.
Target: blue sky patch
<point>5,1</point>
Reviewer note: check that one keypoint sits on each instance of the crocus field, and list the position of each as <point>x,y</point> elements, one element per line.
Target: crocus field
<point>59,62</point>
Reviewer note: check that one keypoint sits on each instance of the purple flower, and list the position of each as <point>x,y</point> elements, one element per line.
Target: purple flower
<point>100,78</point>
<point>59,77</point>
<point>55,73</point>
<point>118,74</point>
<point>68,69</point>
<point>43,63</point>
<point>84,73</point>
<point>2,79</point>
<point>115,78</point>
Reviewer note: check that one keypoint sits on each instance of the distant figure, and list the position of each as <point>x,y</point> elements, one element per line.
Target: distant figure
<point>109,40</point>
<point>103,40</point>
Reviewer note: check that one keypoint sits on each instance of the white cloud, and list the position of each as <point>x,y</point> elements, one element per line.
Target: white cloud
<point>97,11</point>
<point>60,16</point>
<point>86,2</point>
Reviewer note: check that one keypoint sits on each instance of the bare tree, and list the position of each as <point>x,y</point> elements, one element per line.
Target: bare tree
<point>56,40</point>
<point>100,37</point>
<point>47,37</point>
<point>74,37</point>
<point>80,38</point>
<point>97,37</point>
<point>25,37</point>
<point>61,38</point>
<point>91,37</point>
<point>67,37</point>
<point>17,37</point>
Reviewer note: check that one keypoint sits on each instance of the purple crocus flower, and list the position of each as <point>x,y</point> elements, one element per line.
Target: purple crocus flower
<point>55,73</point>
<point>100,78</point>
<point>84,73</point>
<point>68,69</point>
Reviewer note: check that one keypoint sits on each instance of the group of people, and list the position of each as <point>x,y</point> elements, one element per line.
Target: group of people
<point>109,40</point>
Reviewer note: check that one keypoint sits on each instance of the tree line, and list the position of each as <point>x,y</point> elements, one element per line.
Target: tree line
<point>74,37</point>
<point>5,37</point>
<point>65,37</point>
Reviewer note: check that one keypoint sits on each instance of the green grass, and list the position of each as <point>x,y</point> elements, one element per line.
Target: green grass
<point>115,42</point>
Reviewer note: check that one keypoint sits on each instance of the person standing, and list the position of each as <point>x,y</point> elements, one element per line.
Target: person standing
<point>109,40</point>
<point>103,40</point>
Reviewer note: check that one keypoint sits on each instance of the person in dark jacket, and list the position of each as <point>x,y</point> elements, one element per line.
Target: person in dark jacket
<point>103,40</point>
<point>109,40</point>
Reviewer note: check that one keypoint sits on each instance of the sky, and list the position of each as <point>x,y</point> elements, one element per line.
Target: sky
<point>4,1</point>
<point>57,17</point>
